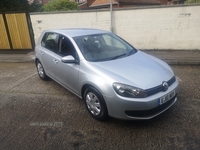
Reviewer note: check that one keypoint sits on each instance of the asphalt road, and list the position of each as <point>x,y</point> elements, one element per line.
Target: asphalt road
<point>35,114</point>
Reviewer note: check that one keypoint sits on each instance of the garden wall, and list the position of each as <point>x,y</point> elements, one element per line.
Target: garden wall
<point>160,27</point>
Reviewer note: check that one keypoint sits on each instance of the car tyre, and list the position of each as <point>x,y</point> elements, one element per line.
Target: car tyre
<point>95,104</point>
<point>41,71</point>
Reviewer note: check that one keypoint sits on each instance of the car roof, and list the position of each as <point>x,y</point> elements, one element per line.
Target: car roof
<point>74,32</point>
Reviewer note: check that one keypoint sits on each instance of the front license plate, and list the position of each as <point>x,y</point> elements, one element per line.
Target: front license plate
<point>167,97</point>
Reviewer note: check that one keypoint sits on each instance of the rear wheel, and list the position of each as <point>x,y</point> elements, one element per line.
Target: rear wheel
<point>41,72</point>
<point>95,104</point>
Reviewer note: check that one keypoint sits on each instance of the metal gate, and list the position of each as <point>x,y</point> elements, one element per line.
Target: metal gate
<point>15,32</point>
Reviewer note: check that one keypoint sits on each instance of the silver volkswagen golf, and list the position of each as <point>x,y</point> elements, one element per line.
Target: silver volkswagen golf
<point>111,76</point>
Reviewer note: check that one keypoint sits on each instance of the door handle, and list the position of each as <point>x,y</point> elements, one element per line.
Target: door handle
<point>41,53</point>
<point>55,61</point>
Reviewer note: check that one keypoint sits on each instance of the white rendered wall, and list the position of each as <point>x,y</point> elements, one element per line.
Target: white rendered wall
<point>146,28</point>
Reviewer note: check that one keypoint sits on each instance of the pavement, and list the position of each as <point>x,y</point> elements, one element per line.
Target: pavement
<point>177,57</point>
<point>172,57</point>
<point>17,57</point>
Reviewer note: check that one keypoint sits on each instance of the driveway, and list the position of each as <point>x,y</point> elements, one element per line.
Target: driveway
<point>36,114</point>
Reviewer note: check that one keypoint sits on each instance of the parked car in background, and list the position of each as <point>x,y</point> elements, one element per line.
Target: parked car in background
<point>110,75</point>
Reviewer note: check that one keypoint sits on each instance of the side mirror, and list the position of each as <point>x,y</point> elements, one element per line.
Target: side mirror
<point>69,59</point>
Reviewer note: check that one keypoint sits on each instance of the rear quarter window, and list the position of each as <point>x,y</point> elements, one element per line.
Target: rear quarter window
<point>49,41</point>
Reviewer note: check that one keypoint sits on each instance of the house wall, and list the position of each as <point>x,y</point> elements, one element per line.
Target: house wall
<point>85,3</point>
<point>163,2</point>
<point>168,27</point>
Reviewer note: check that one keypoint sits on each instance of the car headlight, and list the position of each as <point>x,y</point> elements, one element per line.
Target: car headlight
<point>129,91</point>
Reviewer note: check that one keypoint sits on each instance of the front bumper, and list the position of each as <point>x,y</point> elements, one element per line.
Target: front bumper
<point>148,114</point>
<point>140,108</point>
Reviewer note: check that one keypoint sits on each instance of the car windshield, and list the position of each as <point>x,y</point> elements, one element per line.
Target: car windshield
<point>103,47</point>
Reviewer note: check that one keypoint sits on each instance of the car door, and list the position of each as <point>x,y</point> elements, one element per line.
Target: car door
<point>49,48</point>
<point>67,73</point>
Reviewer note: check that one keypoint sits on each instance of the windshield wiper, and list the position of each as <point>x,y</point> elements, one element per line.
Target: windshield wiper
<point>118,56</point>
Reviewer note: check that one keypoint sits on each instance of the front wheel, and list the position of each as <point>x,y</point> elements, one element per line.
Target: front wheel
<point>41,72</point>
<point>95,104</point>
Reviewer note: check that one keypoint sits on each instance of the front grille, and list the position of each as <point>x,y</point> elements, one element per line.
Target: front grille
<point>171,81</point>
<point>159,88</point>
<point>151,112</point>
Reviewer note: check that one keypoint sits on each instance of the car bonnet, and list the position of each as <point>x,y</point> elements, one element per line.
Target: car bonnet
<point>140,70</point>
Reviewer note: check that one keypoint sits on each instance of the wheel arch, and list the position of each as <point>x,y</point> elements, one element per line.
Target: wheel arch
<point>86,86</point>
<point>36,59</point>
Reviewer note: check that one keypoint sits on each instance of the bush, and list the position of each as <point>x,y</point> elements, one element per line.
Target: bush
<point>192,1</point>
<point>60,5</point>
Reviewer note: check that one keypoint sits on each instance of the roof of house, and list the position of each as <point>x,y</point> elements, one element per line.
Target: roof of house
<point>102,2</point>
<point>141,1</point>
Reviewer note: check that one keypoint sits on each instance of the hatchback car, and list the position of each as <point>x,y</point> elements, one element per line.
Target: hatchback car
<point>111,76</point>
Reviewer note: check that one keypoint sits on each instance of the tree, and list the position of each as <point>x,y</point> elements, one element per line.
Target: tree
<point>60,5</point>
<point>13,5</point>
<point>20,5</point>
<point>35,6</point>
<point>192,1</point>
